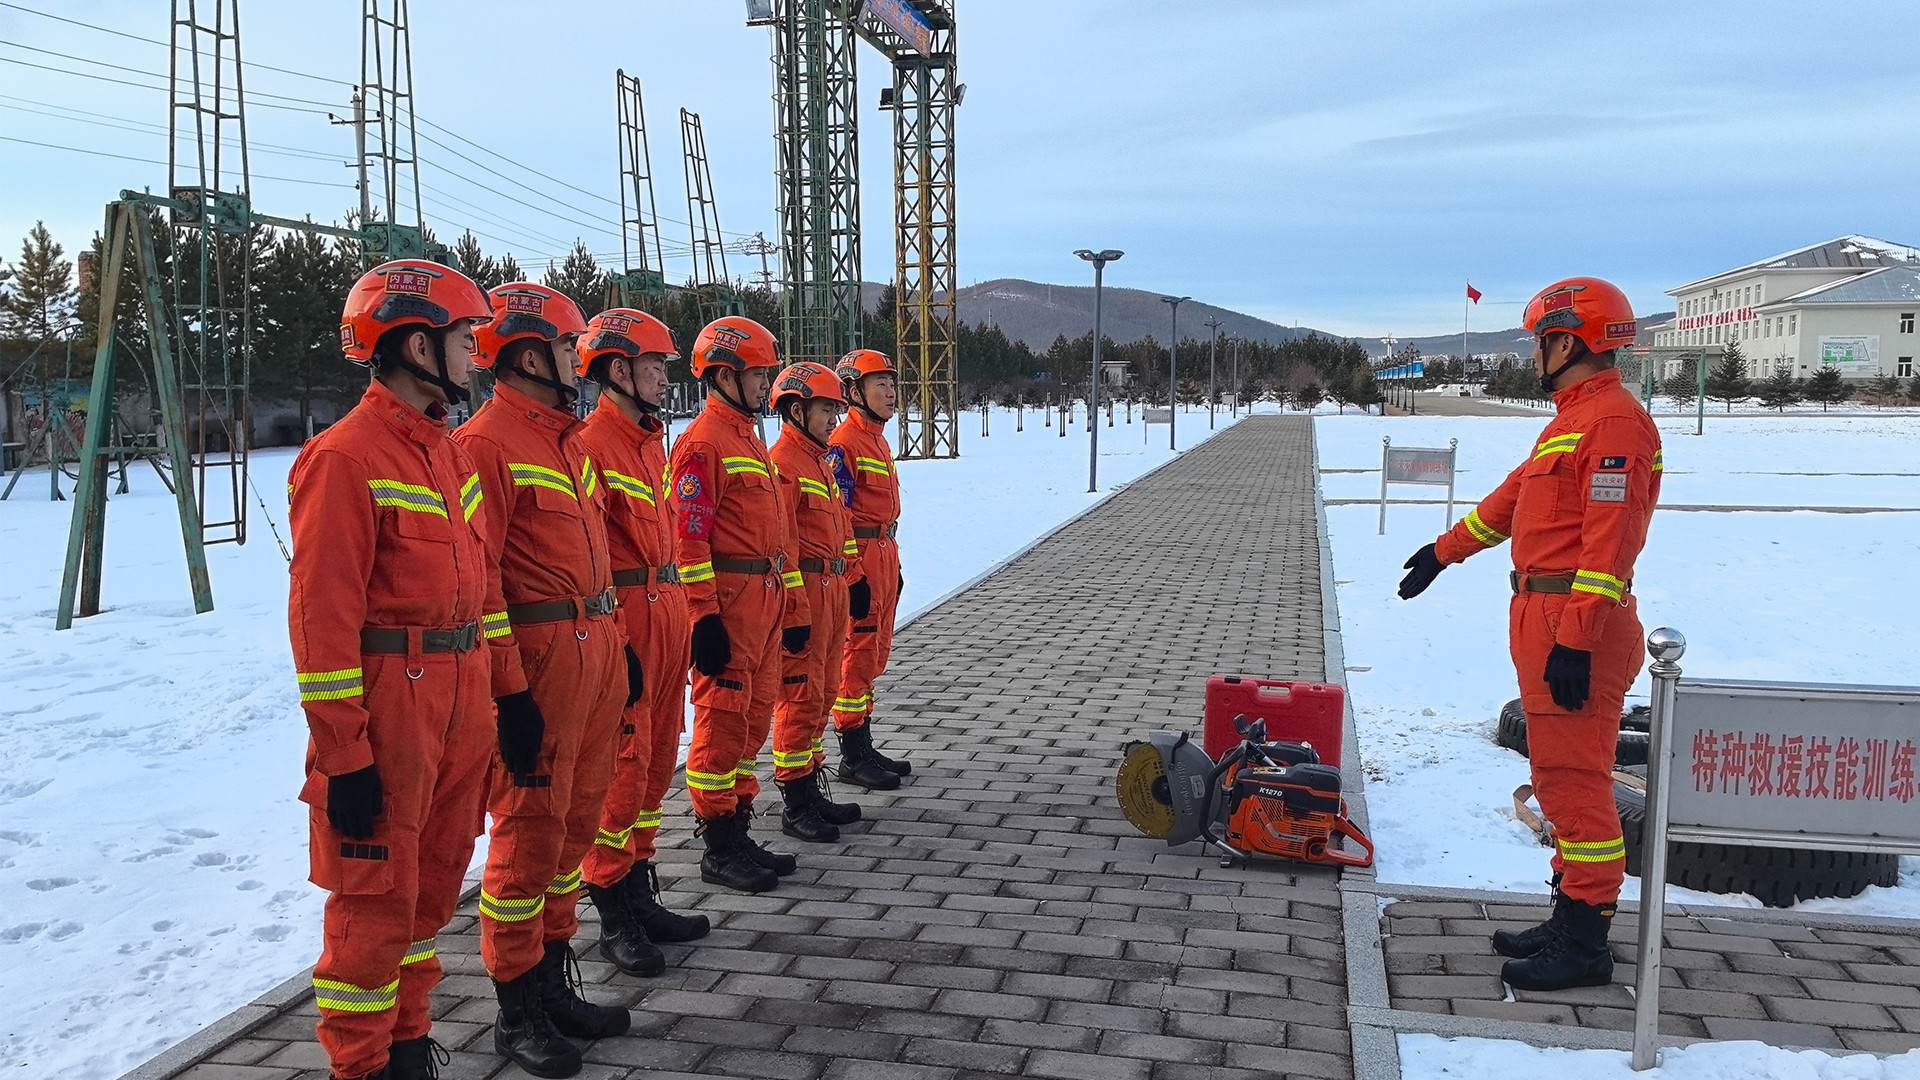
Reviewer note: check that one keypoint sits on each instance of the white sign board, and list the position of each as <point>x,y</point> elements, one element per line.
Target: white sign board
<point>1416,465</point>
<point>1853,354</point>
<point>1157,416</point>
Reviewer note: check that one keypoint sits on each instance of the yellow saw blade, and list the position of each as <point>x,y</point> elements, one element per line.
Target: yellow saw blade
<point>1141,786</point>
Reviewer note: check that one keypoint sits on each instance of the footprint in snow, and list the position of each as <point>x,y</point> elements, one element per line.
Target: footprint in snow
<point>50,884</point>
<point>200,834</point>
<point>64,931</point>
<point>272,933</point>
<point>210,858</point>
<point>250,884</point>
<point>163,925</point>
<point>154,854</point>
<point>21,932</point>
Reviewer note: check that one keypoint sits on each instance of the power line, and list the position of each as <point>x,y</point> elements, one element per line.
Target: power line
<point>145,128</point>
<point>149,86</point>
<point>428,138</point>
<point>157,41</point>
<point>151,161</point>
<point>142,71</point>
<point>601,227</point>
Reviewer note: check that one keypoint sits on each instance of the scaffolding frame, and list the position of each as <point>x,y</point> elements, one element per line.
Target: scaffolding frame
<point>709,280</point>
<point>816,98</point>
<point>642,259</point>
<point>386,105</point>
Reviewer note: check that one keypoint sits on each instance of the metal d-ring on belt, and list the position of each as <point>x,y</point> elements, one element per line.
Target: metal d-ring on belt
<point>823,566</point>
<point>554,611</point>
<point>1546,583</point>
<point>393,639</point>
<point>875,532</point>
<point>640,577</point>
<point>752,567</point>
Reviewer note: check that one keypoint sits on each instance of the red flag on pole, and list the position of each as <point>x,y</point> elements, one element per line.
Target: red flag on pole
<point>1473,294</point>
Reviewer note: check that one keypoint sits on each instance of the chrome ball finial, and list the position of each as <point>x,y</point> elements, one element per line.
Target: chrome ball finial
<point>1666,644</point>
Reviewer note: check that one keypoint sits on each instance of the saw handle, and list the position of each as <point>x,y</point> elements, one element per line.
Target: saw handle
<point>1347,829</point>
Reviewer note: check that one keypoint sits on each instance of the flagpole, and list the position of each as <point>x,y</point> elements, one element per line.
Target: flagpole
<point>1466,304</point>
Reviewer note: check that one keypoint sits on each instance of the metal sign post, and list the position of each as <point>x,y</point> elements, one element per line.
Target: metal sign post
<point>1416,465</point>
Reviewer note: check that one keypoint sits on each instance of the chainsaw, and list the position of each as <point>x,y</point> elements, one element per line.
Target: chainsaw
<point>1274,798</point>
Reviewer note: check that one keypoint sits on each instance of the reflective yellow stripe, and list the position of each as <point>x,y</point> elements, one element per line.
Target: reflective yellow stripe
<point>872,465</point>
<point>709,781</point>
<point>744,465</point>
<point>614,839</point>
<point>691,572</point>
<point>525,475</point>
<point>330,685</point>
<point>1559,444</point>
<point>852,705</point>
<point>1483,532</point>
<point>511,910</point>
<point>470,495</point>
<point>631,486</point>
<point>589,480</point>
<point>1658,460</point>
<point>1596,851</point>
<point>496,624</point>
<point>346,997</point>
<point>813,487</point>
<point>563,884</point>
<point>850,548</point>
<point>418,951</point>
<point>745,769</point>
<point>1595,582</point>
<point>792,579</point>
<point>650,819</point>
<point>794,759</point>
<point>425,500</point>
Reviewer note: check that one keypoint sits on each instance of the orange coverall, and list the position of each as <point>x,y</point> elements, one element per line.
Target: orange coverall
<point>382,511</point>
<point>829,562</point>
<point>632,461</point>
<point>728,511</point>
<point>876,514</point>
<point>546,529</point>
<point>1577,511</point>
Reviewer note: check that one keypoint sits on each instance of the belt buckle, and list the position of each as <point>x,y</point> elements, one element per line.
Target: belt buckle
<point>467,637</point>
<point>602,603</point>
<point>667,575</point>
<point>839,565</point>
<point>892,528</point>
<point>779,562</point>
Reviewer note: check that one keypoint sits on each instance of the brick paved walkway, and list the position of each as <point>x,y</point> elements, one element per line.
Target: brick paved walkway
<point>996,916</point>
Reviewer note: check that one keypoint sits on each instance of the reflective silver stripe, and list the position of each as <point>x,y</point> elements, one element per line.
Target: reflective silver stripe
<point>407,496</point>
<point>510,910</point>
<point>496,624</point>
<point>563,884</point>
<point>1595,582</point>
<point>330,685</point>
<point>1595,851</point>
<point>527,475</point>
<point>470,495</point>
<point>793,759</point>
<point>418,951</point>
<point>1483,532</point>
<point>650,819</point>
<point>346,997</point>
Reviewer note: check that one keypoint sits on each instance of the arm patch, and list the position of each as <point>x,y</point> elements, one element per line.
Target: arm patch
<point>693,492</point>
<point>1607,487</point>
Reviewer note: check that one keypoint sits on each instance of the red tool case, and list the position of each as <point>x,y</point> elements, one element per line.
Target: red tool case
<point>1301,712</point>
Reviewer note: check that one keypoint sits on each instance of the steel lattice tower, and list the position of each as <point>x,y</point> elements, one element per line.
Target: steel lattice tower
<point>392,230</point>
<point>815,97</point>
<point>926,273</point>
<point>640,248</point>
<point>709,280</point>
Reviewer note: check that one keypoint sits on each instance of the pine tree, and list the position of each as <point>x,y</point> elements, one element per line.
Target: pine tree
<point>1826,387</point>
<point>1308,396</point>
<point>40,298</point>
<point>580,278</point>
<point>1884,390</point>
<point>474,263</point>
<point>300,280</point>
<point>1727,380</point>
<point>1913,390</point>
<point>510,269</point>
<point>1366,389</point>
<point>1780,390</point>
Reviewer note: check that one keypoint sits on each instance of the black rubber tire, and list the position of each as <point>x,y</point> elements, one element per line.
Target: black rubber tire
<point>1511,732</point>
<point>1777,877</point>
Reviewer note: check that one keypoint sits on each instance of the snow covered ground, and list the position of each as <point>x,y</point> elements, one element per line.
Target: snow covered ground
<point>1801,595</point>
<point>1429,1057</point>
<point>152,855</point>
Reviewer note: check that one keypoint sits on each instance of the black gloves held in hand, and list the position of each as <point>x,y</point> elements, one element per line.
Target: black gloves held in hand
<point>712,649</point>
<point>860,599</point>
<point>794,638</point>
<point>636,679</point>
<point>521,730</point>
<point>1569,676</point>
<point>1422,569</point>
<point>353,800</point>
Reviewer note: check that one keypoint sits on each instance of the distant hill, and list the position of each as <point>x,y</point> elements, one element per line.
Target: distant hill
<point>1515,340</point>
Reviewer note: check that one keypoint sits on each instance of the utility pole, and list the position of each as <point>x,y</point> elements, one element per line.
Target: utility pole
<point>1099,261</point>
<point>1173,364</point>
<point>1213,363</point>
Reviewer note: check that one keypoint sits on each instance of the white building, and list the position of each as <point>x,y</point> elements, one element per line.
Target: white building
<point>1849,303</point>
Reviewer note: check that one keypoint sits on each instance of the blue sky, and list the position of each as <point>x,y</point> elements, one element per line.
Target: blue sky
<point>1336,163</point>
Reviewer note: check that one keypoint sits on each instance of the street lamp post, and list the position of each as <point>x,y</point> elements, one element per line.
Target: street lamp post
<point>1173,364</point>
<point>1213,365</point>
<point>1099,260</point>
<point>1236,376</point>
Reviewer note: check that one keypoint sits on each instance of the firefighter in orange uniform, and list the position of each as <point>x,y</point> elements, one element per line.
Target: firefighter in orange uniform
<point>871,383</point>
<point>390,585</point>
<point>559,721</point>
<point>1577,511</point>
<point>626,353</point>
<point>746,600</point>
<point>814,483</point>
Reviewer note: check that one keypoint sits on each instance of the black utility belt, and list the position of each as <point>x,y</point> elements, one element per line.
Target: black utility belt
<point>875,532</point>
<point>750,566</point>
<point>554,611</point>
<point>643,576</point>
<point>823,566</point>
<point>393,639</point>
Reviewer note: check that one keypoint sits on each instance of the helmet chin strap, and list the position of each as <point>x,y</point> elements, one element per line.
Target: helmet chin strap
<point>794,415</point>
<point>454,392</point>
<point>1548,379</point>
<point>568,394</point>
<point>737,406</point>
<point>631,393</point>
<point>858,396</point>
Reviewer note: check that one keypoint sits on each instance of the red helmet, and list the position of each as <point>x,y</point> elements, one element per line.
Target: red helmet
<point>522,309</point>
<point>862,362</point>
<point>807,381</point>
<point>737,342</point>
<point>624,332</point>
<point>406,292</point>
<point>1590,309</point>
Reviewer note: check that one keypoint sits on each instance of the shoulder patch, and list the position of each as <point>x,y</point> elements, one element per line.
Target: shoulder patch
<point>689,486</point>
<point>1607,487</point>
<point>1613,463</point>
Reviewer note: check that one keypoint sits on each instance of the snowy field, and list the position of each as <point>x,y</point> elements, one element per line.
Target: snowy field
<point>1429,1057</point>
<point>152,854</point>
<point>1800,595</point>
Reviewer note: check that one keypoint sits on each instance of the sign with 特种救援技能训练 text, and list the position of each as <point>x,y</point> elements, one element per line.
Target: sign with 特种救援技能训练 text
<point>1419,465</point>
<point>1780,757</point>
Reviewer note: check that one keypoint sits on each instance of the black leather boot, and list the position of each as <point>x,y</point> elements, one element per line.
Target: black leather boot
<point>726,861</point>
<point>525,1035</point>
<point>642,889</point>
<point>415,1059</point>
<point>559,996</point>
<point>896,766</point>
<point>801,818</point>
<point>1524,943</point>
<point>622,941</point>
<point>1576,956</point>
<point>860,765</point>
<point>779,862</point>
<point>832,812</point>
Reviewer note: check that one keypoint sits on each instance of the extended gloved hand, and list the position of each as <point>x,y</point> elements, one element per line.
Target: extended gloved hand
<point>794,638</point>
<point>712,649</point>
<point>353,800</point>
<point>1424,567</point>
<point>522,729</point>
<point>1569,676</point>
<point>636,678</point>
<point>860,599</point>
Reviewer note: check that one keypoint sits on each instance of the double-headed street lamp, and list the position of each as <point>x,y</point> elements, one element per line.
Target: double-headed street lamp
<point>1173,362</point>
<point>1099,259</point>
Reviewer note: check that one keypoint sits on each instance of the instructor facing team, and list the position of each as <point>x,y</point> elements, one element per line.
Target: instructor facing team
<point>1577,511</point>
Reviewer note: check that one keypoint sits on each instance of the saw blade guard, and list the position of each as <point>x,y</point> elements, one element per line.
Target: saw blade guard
<point>1162,787</point>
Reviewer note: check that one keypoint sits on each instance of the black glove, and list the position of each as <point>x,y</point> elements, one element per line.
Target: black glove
<point>899,583</point>
<point>1424,567</point>
<point>794,638</point>
<point>521,730</point>
<point>712,649</point>
<point>636,679</point>
<point>860,599</point>
<point>353,800</point>
<point>1569,676</point>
